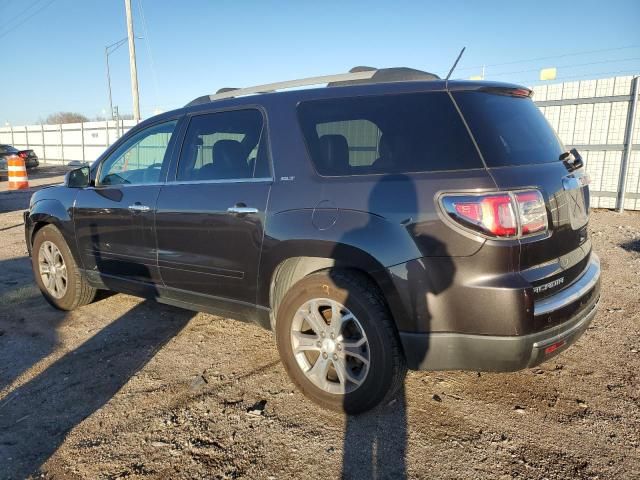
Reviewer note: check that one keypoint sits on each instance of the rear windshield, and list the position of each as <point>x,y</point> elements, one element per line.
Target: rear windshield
<point>386,134</point>
<point>509,130</point>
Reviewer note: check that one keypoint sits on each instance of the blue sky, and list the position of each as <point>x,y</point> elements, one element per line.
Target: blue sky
<point>52,51</point>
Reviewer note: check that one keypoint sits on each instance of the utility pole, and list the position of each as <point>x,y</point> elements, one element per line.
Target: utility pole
<point>132,62</point>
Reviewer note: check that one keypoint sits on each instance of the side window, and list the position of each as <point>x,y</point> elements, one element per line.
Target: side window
<point>223,146</point>
<point>362,138</point>
<point>389,134</point>
<point>139,160</point>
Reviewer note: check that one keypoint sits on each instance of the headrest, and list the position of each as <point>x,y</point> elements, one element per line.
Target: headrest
<point>334,151</point>
<point>227,154</point>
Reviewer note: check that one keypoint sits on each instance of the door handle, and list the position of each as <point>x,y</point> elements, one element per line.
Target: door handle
<point>139,208</point>
<point>237,210</point>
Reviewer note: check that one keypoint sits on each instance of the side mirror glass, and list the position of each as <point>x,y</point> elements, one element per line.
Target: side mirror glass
<point>77,178</point>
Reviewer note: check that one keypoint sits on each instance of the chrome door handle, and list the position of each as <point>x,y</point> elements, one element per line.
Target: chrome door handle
<point>139,208</point>
<point>242,210</point>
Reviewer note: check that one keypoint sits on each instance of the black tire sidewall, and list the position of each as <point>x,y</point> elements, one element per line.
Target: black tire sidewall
<point>53,235</point>
<point>381,369</point>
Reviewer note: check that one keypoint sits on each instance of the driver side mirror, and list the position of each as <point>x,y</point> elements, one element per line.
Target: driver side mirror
<point>77,178</point>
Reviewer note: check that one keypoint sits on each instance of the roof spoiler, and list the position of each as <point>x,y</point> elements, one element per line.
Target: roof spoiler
<point>356,76</point>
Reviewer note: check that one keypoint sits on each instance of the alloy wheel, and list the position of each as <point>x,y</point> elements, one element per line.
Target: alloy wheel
<point>330,346</point>
<point>53,270</point>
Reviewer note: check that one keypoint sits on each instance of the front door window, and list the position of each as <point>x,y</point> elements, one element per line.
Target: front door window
<point>139,160</point>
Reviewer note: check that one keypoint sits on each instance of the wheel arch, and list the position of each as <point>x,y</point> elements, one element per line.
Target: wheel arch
<point>51,212</point>
<point>297,260</point>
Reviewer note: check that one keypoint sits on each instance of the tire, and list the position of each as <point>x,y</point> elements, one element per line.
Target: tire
<point>76,291</point>
<point>354,294</point>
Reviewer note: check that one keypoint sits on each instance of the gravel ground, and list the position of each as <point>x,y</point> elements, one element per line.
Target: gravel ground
<point>126,388</point>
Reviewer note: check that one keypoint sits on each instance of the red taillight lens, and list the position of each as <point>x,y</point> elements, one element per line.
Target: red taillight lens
<point>492,214</point>
<point>502,215</point>
<point>22,154</point>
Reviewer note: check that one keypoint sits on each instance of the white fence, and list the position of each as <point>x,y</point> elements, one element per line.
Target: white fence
<point>60,144</point>
<point>594,117</point>
<point>590,115</point>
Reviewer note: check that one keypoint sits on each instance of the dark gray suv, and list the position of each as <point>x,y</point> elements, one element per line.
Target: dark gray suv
<point>388,220</point>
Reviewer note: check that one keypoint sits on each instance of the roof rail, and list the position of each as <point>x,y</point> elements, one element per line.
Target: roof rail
<point>356,76</point>
<point>271,87</point>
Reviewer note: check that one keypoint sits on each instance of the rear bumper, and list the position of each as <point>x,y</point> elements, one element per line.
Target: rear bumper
<point>459,351</point>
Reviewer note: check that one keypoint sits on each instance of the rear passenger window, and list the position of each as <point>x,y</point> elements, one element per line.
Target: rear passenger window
<point>386,134</point>
<point>224,146</point>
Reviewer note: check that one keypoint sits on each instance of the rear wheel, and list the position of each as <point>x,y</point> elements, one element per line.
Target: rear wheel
<point>56,271</point>
<point>338,342</point>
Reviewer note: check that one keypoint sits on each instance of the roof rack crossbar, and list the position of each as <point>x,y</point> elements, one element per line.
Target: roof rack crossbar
<point>269,87</point>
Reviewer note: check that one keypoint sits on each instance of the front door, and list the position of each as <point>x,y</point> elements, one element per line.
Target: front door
<point>114,220</point>
<point>210,217</point>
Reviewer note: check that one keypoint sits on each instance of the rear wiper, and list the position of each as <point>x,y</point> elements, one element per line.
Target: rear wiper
<point>572,160</point>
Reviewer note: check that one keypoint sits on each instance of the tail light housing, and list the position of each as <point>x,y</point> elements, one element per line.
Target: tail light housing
<point>498,215</point>
<point>23,155</point>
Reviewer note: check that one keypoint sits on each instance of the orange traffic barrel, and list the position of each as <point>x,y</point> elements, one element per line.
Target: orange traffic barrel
<point>17,173</point>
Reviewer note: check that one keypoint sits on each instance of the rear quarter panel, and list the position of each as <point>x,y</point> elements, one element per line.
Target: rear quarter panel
<point>370,222</point>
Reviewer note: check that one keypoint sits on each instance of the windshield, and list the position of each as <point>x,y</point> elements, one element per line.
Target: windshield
<point>509,130</point>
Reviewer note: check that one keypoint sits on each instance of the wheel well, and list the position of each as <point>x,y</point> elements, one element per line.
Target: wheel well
<point>37,226</point>
<point>294,269</point>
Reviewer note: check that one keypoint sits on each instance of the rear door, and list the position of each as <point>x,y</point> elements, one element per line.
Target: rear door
<point>114,220</point>
<point>210,216</point>
<point>522,150</point>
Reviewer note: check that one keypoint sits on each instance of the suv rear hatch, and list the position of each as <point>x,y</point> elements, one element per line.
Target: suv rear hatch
<point>522,151</point>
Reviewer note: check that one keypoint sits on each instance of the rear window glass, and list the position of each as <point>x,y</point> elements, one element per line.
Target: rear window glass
<point>386,134</point>
<point>509,130</point>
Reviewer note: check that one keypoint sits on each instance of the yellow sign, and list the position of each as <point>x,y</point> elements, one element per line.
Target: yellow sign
<point>548,73</point>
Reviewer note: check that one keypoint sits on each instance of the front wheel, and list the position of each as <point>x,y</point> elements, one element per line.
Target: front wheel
<point>338,342</point>
<point>56,272</point>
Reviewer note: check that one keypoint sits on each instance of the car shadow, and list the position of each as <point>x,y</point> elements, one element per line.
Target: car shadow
<point>631,245</point>
<point>36,417</point>
<point>375,442</point>
<point>28,324</point>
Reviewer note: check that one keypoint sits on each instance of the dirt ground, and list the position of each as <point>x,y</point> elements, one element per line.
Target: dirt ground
<point>126,388</point>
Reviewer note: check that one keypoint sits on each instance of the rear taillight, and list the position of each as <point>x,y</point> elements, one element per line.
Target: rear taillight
<point>500,215</point>
<point>532,212</point>
<point>23,154</point>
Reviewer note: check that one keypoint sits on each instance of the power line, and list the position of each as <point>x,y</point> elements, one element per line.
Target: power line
<point>14,26</point>
<point>29,7</point>
<point>146,41</point>
<point>574,54</point>
<point>573,65</point>
<point>19,16</point>
<point>581,76</point>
